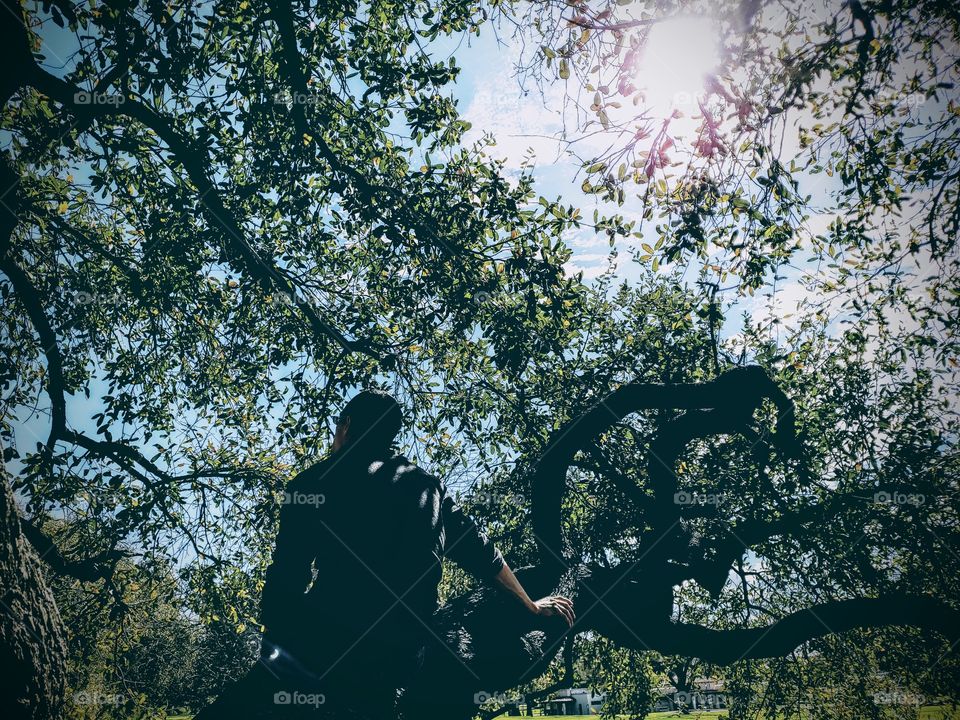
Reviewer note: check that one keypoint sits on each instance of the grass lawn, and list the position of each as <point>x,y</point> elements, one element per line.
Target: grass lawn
<point>704,715</point>
<point>938,713</point>
<point>927,713</point>
<point>694,715</point>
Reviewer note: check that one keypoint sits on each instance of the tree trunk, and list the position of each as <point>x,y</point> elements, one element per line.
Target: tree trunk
<point>32,648</point>
<point>33,652</point>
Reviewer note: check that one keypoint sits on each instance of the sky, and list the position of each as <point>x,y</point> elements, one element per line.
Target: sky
<point>530,120</point>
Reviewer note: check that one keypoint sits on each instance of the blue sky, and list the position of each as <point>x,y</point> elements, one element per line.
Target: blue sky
<point>525,118</point>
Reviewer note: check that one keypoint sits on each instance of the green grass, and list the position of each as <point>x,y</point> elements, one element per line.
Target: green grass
<point>693,715</point>
<point>938,713</point>
<point>927,713</point>
<point>702,715</point>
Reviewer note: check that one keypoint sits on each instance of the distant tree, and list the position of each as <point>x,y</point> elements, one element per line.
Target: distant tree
<point>147,654</point>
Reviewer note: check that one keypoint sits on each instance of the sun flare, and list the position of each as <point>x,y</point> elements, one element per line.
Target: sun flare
<point>678,56</point>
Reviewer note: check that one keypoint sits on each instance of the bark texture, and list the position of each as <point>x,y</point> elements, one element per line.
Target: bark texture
<point>33,651</point>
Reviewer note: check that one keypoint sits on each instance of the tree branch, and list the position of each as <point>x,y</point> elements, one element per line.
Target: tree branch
<point>778,639</point>
<point>193,161</point>
<point>737,392</point>
<point>99,567</point>
<point>30,299</point>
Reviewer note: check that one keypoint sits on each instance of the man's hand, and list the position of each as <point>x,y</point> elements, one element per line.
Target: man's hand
<point>555,605</point>
<point>547,606</point>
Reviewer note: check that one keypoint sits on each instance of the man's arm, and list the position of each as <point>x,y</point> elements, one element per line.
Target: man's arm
<point>289,572</point>
<point>467,546</point>
<point>546,606</point>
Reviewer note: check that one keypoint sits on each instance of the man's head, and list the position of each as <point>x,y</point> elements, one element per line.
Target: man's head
<point>371,420</point>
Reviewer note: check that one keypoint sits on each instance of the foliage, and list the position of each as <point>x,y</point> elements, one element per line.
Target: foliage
<point>224,255</point>
<point>624,676</point>
<point>229,216</point>
<point>827,134</point>
<point>150,658</point>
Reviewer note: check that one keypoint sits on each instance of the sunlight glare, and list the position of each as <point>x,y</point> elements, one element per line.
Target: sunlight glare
<point>678,56</point>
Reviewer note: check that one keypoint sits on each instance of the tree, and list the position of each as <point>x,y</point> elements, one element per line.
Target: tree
<point>219,220</point>
<point>149,654</point>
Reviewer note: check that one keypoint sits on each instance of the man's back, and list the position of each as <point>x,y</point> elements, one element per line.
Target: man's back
<point>377,556</point>
<point>375,530</point>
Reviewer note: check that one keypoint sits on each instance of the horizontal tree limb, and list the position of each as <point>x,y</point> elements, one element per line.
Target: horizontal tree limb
<point>777,639</point>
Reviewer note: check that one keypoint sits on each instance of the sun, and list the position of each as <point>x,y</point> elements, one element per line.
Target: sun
<point>677,57</point>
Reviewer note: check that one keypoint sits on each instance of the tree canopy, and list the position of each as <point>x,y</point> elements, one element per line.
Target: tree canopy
<point>222,219</point>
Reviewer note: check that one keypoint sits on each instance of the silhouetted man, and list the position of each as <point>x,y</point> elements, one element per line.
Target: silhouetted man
<point>353,585</point>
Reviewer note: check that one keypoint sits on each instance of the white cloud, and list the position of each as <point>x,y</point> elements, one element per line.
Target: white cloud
<point>589,273</point>
<point>592,257</point>
<point>588,242</point>
<point>519,123</point>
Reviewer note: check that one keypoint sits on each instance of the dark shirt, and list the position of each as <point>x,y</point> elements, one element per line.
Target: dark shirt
<point>375,530</point>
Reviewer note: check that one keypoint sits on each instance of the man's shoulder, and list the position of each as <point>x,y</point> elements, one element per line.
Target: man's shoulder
<point>311,477</point>
<point>407,475</point>
<point>397,471</point>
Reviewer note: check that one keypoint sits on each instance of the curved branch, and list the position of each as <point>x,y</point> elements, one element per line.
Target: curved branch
<point>14,44</point>
<point>499,647</point>
<point>778,639</point>
<point>737,392</point>
<point>30,299</point>
<point>99,567</point>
